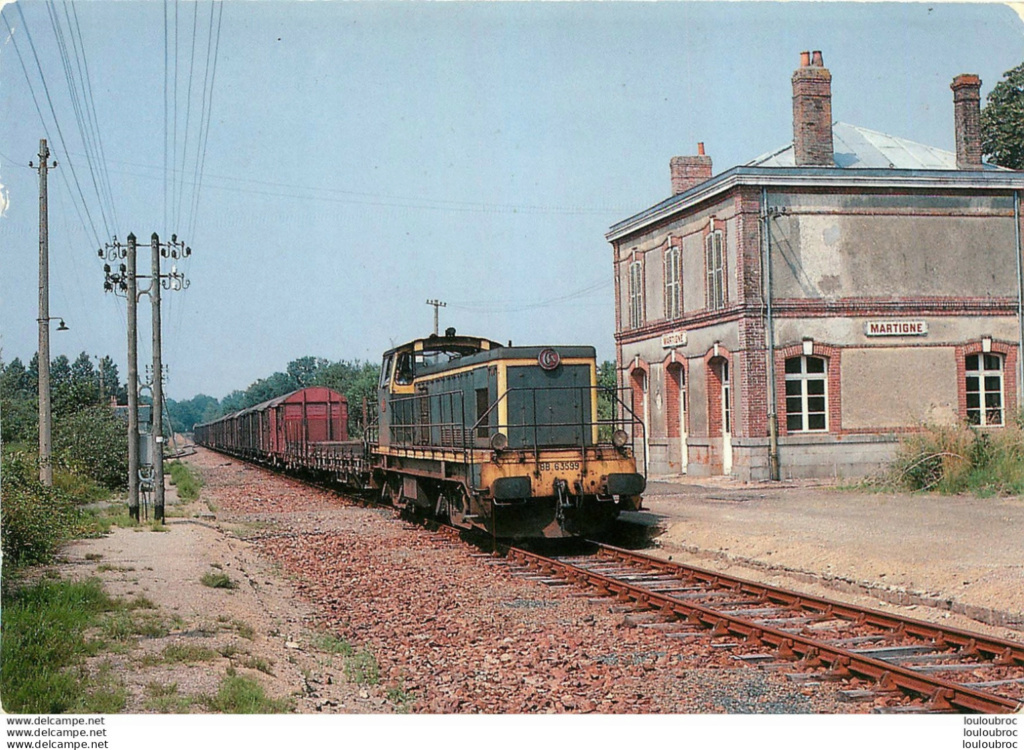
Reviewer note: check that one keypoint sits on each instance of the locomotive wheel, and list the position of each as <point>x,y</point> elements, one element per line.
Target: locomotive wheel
<point>455,505</point>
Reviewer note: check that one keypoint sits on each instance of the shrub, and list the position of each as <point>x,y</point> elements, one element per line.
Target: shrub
<point>94,442</point>
<point>34,519</point>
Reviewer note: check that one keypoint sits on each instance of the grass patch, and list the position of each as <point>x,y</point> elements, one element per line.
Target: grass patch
<point>333,645</point>
<point>93,556</point>
<point>953,460</point>
<point>187,653</point>
<point>165,699</point>
<point>100,521</point>
<point>400,698</point>
<point>139,602</point>
<point>185,479</point>
<point>124,625</point>
<point>228,650</point>
<point>218,581</point>
<point>362,669</point>
<point>104,567</point>
<point>244,629</point>
<point>158,526</point>
<point>242,695</point>
<point>258,663</point>
<point>44,641</point>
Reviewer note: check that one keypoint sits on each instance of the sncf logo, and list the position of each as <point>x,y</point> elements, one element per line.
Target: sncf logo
<point>548,359</point>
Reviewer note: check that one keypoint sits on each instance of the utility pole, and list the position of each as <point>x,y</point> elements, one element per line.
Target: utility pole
<point>437,304</point>
<point>158,385</point>
<point>132,290</point>
<point>125,280</point>
<point>173,281</point>
<point>45,417</point>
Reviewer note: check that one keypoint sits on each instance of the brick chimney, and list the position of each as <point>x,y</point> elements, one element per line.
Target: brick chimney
<point>689,171</point>
<point>967,120</point>
<point>812,112</point>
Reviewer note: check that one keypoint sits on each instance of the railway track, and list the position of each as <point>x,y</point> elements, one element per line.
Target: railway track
<point>912,665</point>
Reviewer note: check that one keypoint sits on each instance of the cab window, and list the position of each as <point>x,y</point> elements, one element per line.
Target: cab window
<point>385,371</point>
<point>404,369</point>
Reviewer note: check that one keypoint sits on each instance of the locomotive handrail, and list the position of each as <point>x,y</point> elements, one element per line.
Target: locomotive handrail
<point>459,435</point>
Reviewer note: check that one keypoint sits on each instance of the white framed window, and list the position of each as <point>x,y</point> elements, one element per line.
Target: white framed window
<point>806,394</point>
<point>636,294</point>
<point>984,386</point>
<point>714,262</point>
<point>673,284</point>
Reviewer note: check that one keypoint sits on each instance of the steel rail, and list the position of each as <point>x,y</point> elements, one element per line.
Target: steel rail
<point>943,695</point>
<point>995,648</point>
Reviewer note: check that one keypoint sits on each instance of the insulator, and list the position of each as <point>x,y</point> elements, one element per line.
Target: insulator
<point>100,253</point>
<point>124,268</point>
<point>188,252</point>
<point>174,253</point>
<point>107,286</point>
<point>106,268</point>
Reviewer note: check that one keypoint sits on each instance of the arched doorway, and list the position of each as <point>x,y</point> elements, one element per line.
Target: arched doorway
<point>678,408</point>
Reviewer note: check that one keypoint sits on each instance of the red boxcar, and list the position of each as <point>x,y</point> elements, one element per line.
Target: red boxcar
<point>281,430</point>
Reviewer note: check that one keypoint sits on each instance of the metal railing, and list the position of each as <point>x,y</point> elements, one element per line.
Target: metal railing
<point>440,421</point>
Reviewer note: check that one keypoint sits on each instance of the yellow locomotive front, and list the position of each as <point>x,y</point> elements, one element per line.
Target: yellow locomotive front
<point>517,441</point>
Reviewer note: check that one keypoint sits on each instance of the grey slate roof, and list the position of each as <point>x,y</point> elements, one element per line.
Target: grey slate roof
<point>860,148</point>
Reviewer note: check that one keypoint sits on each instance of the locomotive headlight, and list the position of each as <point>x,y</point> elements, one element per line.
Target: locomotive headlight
<point>499,441</point>
<point>619,438</point>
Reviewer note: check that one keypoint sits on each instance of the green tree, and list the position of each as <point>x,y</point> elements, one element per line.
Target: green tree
<point>108,381</point>
<point>265,389</point>
<point>607,382</point>
<point>1002,121</point>
<point>187,414</point>
<point>75,385</point>
<point>18,404</point>
<point>357,381</point>
<point>232,402</point>
<point>94,442</point>
<point>303,370</point>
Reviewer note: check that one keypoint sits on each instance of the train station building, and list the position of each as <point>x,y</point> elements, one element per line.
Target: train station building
<point>797,314</point>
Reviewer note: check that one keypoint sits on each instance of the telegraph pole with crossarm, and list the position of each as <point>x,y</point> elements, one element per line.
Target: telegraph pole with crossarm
<point>123,281</point>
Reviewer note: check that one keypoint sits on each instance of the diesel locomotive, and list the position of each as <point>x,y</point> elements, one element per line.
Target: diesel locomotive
<point>518,442</point>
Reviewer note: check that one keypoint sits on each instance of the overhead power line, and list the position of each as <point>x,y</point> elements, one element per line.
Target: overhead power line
<point>53,113</point>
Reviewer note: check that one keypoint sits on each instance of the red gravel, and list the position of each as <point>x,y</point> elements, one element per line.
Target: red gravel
<point>462,633</point>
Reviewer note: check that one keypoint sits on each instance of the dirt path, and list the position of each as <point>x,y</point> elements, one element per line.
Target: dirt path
<point>178,652</point>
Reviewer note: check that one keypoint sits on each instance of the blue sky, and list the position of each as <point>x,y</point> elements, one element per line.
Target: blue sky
<point>364,157</point>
